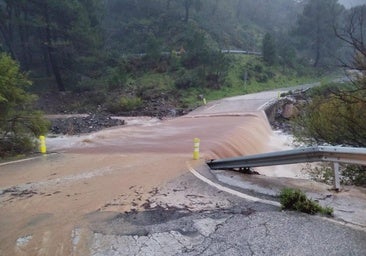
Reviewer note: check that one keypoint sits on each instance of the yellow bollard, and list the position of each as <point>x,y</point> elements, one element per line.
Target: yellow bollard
<point>196,150</point>
<point>42,144</point>
<point>204,101</point>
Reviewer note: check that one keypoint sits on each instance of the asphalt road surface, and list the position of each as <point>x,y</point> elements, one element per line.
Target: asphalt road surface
<point>129,191</point>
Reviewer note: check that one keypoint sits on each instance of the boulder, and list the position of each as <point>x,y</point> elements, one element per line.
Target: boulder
<point>289,111</point>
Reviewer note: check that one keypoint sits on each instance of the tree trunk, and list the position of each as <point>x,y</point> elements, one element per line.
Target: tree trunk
<point>317,44</point>
<point>22,36</point>
<point>50,51</point>
<point>317,56</point>
<point>44,51</point>
<point>187,6</point>
<point>214,9</point>
<point>6,30</point>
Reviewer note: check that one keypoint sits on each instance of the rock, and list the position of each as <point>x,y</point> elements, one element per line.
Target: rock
<point>288,107</point>
<point>289,110</point>
<point>77,125</point>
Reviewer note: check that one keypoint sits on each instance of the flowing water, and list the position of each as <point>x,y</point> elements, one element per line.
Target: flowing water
<point>221,136</point>
<point>117,169</point>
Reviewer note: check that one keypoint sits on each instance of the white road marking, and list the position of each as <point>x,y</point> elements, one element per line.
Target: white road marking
<point>231,191</point>
<point>19,161</point>
<point>264,201</point>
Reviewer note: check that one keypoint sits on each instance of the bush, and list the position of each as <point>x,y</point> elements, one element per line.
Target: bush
<point>19,122</point>
<point>16,145</point>
<point>130,103</point>
<point>354,175</point>
<point>333,120</point>
<point>187,80</point>
<point>124,104</point>
<point>296,200</point>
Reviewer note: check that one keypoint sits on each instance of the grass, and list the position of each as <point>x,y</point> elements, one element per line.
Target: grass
<point>235,84</point>
<point>162,82</point>
<point>259,77</point>
<point>296,200</point>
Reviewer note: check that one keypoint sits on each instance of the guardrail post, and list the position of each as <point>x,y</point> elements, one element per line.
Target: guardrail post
<point>337,184</point>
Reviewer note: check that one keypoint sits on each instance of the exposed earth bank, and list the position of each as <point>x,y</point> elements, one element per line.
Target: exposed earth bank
<point>77,113</point>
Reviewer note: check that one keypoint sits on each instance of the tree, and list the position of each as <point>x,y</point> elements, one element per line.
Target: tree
<point>187,7</point>
<point>315,29</point>
<point>60,37</point>
<point>18,121</point>
<point>354,35</point>
<point>329,119</point>
<point>269,49</point>
<point>336,114</point>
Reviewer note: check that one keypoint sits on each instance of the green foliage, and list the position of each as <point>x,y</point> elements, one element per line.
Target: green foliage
<point>269,49</point>
<point>153,48</point>
<point>81,43</point>
<point>333,119</point>
<point>315,31</point>
<point>322,173</point>
<point>187,79</point>
<point>117,77</point>
<point>124,104</point>
<point>349,174</point>
<point>123,47</point>
<point>18,121</point>
<point>68,42</point>
<point>129,103</point>
<point>354,175</point>
<point>16,145</point>
<point>153,85</point>
<point>296,200</point>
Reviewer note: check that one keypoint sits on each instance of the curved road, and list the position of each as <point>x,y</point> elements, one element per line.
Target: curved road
<point>128,191</point>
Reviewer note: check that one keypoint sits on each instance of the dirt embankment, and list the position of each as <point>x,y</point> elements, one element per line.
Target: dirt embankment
<point>75,113</point>
<point>82,123</point>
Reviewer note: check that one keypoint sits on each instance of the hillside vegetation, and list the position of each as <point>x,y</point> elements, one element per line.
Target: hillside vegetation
<point>132,55</point>
<point>162,57</point>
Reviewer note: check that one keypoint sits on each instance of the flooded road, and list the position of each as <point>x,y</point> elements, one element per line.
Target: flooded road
<point>42,200</point>
<point>64,203</point>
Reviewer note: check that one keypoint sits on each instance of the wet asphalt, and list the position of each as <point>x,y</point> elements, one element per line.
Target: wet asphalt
<point>207,221</point>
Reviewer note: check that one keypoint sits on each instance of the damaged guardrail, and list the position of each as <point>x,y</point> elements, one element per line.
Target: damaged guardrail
<point>336,155</point>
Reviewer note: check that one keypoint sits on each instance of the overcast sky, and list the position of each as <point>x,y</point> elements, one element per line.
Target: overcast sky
<point>351,3</point>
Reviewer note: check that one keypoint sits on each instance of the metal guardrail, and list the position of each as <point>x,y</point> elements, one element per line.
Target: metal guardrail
<point>228,51</point>
<point>302,155</point>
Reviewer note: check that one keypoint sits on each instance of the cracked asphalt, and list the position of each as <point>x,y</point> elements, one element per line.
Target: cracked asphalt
<point>204,227</point>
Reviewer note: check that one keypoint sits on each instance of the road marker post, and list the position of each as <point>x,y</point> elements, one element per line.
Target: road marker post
<point>196,149</point>
<point>336,182</point>
<point>42,144</point>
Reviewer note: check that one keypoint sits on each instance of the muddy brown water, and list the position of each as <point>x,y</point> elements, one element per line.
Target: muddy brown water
<point>115,170</point>
<point>221,136</point>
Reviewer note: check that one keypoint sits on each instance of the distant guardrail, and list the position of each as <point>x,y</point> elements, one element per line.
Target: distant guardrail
<point>336,155</point>
<point>166,53</point>
<point>241,52</point>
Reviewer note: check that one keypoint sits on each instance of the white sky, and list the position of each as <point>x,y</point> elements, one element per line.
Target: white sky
<point>351,3</point>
